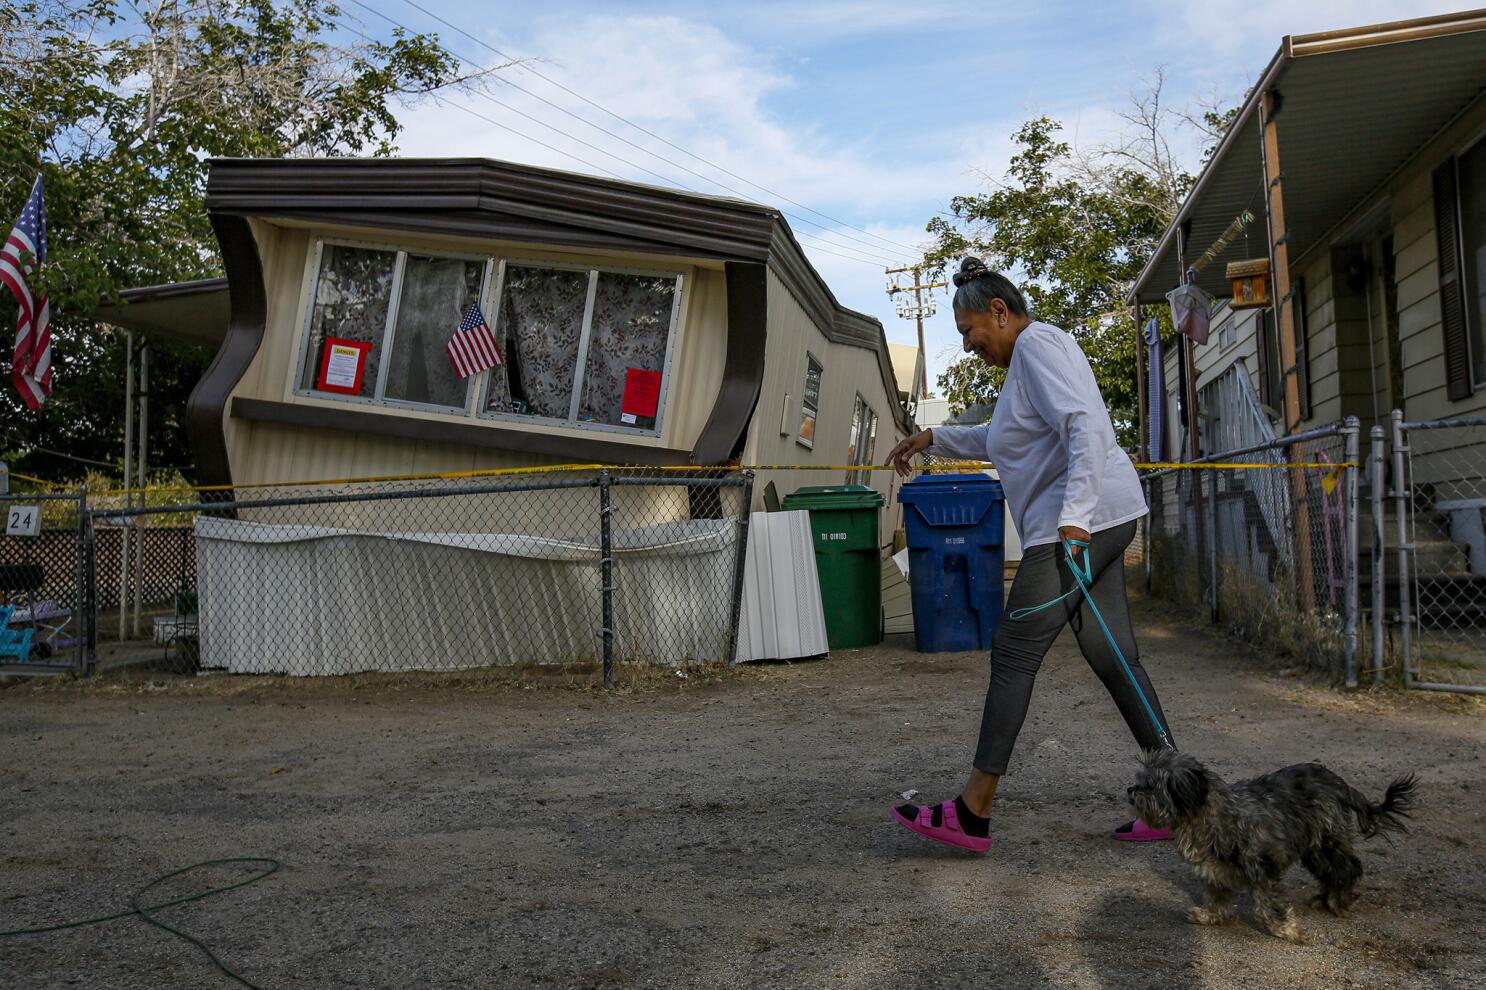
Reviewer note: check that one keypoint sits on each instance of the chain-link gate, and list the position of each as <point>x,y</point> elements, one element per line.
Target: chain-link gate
<point>1439,469</point>
<point>1265,540</point>
<point>431,574</point>
<point>42,577</point>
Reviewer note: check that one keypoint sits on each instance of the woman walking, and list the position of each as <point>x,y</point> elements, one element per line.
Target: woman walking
<point>1071,491</point>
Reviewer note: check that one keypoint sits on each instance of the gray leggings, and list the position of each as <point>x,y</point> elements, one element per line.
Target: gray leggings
<point>1020,645</point>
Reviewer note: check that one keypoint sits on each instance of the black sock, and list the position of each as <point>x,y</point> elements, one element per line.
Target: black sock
<point>970,823</point>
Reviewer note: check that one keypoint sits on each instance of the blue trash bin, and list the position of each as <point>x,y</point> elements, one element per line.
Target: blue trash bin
<point>956,554</point>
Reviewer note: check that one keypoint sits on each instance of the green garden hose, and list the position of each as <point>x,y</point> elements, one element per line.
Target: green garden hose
<point>142,911</point>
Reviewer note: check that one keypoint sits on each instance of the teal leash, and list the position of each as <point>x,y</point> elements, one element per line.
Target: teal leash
<point>1083,580</point>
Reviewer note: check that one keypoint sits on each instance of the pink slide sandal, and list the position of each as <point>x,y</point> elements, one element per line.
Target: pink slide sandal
<point>1139,831</point>
<point>948,830</point>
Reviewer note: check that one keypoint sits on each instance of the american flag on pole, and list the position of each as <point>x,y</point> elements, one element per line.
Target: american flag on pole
<point>472,348</point>
<point>20,260</point>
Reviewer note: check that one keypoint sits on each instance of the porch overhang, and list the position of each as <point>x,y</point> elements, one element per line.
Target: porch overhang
<point>1354,107</point>
<point>190,312</point>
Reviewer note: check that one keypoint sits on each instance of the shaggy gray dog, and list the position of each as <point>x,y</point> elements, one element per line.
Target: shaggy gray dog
<point>1245,836</point>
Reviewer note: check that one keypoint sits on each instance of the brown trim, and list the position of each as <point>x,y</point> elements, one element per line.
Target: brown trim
<point>173,290</point>
<point>743,374</point>
<point>490,437</point>
<point>245,326</point>
<point>1279,257</point>
<point>477,197</point>
<point>1385,33</point>
<point>489,227</point>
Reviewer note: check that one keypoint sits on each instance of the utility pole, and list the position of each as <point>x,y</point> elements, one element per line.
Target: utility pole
<point>916,310</point>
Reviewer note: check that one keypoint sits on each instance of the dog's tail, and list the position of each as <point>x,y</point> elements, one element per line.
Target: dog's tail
<point>1389,814</point>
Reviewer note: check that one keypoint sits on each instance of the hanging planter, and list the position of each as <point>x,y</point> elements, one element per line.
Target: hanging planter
<point>1250,283</point>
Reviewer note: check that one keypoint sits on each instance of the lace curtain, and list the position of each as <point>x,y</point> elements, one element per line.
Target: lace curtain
<point>435,293</point>
<point>540,324</point>
<point>631,321</point>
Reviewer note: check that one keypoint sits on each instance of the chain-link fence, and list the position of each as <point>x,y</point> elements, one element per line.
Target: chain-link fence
<point>1440,508</point>
<point>1265,540</point>
<point>605,566</point>
<point>440,574</point>
<point>42,572</point>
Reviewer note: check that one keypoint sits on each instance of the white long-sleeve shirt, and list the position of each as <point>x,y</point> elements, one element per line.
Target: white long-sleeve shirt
<point>1052,443</point>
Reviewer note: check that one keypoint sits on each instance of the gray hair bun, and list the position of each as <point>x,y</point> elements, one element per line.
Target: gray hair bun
<point>971,267</point>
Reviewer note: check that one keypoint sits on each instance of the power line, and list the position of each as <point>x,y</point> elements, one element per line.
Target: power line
<point>522,134</point>
<point>824,246</point>
<point>625,120</point>
<point>674,164</point>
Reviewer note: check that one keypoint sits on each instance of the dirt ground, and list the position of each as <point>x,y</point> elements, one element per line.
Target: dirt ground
<point>727,830</point>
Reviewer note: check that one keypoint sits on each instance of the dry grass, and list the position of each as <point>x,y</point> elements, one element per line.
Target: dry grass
<point>630,679</point>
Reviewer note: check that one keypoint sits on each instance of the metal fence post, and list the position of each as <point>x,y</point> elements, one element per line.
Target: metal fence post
<point>606,571</point>
<point>1402,490</point>
<point>79,583</point>
<point>90,590</point>
<point>1212,547</point>
<point>740,569</point>
<point>1150,516</point>
<point>1379,574</point>
<point>1352,434</point>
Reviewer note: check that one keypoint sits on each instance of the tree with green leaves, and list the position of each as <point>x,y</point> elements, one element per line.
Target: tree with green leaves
<point>119,105</point>
<point>1074,228</point>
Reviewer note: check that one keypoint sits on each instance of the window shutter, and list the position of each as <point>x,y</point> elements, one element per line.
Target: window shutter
<point>1452,293</point>
<point>1261,354</point>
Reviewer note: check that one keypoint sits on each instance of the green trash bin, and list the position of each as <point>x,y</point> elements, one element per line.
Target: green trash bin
<point>843,523</point>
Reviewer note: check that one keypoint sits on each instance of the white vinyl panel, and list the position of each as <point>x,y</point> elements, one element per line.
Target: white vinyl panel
<point>782,616</point>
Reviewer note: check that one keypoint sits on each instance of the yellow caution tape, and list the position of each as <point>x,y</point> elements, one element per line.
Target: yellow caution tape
<point>1336,468</point>
<point>1332,479</point>
<point>371,479</point>
<point>37,481</point>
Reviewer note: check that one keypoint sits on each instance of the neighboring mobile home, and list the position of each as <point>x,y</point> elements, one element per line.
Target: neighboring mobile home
<point>1379,160</point>
<point>1356,170</point>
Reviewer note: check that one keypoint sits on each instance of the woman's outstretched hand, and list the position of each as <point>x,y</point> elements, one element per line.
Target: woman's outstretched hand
<point>899,458</point>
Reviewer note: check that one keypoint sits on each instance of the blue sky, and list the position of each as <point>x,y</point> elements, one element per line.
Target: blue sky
<point>874,113</point>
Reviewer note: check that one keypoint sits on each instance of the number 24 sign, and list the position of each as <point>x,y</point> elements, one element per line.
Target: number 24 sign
<point>23,520</point>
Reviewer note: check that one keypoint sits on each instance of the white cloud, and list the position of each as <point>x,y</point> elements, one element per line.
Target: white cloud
<point>1214,31</point>
<point>702,91</point>
<point>864,288</point>
<point>845,18</point>
<point>737,104</point>
<point>711,94</point>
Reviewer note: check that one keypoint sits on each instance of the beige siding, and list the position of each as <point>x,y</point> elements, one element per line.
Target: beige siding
<point>1212,359</point>
<point>1419,311</point>
<point>1345,372</point>
<point>1324,325</point>
<point>847,371</point>
<point>1415,252</point>
<point>262,452</point>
